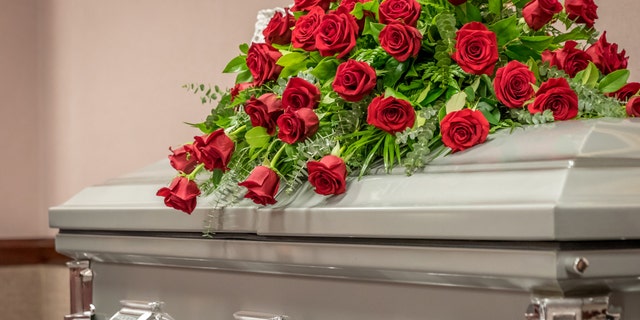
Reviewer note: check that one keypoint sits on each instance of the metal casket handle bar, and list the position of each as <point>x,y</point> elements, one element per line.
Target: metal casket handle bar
<point>249,315</point>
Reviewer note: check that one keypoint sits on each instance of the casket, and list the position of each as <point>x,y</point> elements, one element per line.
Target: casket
<point>542,222</point>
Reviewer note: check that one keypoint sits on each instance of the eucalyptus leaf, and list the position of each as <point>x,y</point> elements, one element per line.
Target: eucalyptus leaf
<point>614,81</point>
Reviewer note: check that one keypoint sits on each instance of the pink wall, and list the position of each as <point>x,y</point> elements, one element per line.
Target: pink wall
<point>91,89</point>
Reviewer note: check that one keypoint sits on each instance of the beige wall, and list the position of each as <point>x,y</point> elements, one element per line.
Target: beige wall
<point>90,89</point>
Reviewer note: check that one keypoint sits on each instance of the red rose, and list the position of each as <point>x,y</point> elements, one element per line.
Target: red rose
<point>557,96</point>
<point>633,107</point>
<point>464,129</point>
<point>299,93</point>
<point>183,159</point>
<point>261,60</point>
<point>264,111</point>
<point>606,57</point>
<point>390,114</point>
<point>262,185</point>
<point>297,125</point>
<point>328,175</point>
<point>403,10</point>
<point>582,11</point>
<point>308,5</point>
<point>235,91</point>
<point>181,194</point>
<point>513,84</point>
<point>537,13</point>
<point>214,150</point>
<point>304,33</point>
<point>349,5</point>
<point>569,59</point>
<point>354,80</point>
<point>278,30</point>
<point>630,89</point>
<point>457,2</point>
<point>400,41</point>
<point>476,49</point>
<point>337,33</point>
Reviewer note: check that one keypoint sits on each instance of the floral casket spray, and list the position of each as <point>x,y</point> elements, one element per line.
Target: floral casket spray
<point>337,88</point>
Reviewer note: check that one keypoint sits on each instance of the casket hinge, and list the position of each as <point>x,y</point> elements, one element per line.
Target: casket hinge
<point>590,308</point>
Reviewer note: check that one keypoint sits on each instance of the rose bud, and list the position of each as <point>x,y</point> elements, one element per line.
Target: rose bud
<point>181,194</point>
<point>390,114</point>
<point>278,30</point>
<point>261,60</point>
<point>214,150</point>
<point>457,2</point>
<point>633,107</point>
<point>537,13</point>
<point>304,33</point>
<point>235,91</point>
<point>264,111</point>
<point>297,125</point>
<point>557,96</point>
<point>630,89</point>
<point>568,58</point>
<point>582,11</point>
<point>337,34</point>
<point>328,175</point>
<point>400,41</point>
<point>262,185</point>
<point>464,129</point>
<point>354,80</point>
<point>308,5</point>
<point>299,94</point>
<point>407,11</point>
<point>476,49</point>
<point>183,159</point>
<point>606,57</point>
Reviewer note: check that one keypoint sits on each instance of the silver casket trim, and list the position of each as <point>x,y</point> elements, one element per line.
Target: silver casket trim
<point>573,180</point>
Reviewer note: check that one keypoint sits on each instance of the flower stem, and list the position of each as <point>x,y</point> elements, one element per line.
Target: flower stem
<point>235,132</point>
<point>192,175</point>
<point>275,158</point>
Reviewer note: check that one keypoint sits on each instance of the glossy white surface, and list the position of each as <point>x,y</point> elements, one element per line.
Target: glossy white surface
<point>573,180</point>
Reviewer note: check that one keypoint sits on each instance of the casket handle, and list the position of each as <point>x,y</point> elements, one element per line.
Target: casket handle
<point>249,315</point>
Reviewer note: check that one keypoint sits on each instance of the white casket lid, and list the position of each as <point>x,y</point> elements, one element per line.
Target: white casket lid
<point>572,180</point>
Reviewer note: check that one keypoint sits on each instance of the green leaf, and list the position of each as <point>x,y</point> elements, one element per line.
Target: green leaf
<point>442,113</point>
<point>589,76</point>
<point>236,64</point>
<point>471,94</point>
<point>257,137</point>
<point>291,59</point>
<point>521,53</point>
<point>326,69</point>
<point>578,33</point>
<point>533,66</point>
<point>495,6</point>
<point>538,43</point>
<point>473,13</point>
<point>614,81</point>
<point>423,94</point>
<point>244,48</point>
<point>456,102</point>
<point>292,70</point>
<point>395,71</point>
<point>433,95</point>
<point>373,29</point>
<point>389,92</point>
<point>244,76</point>
<point>490,113</point>
<point>520,3</point>
<point>506,29</point>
